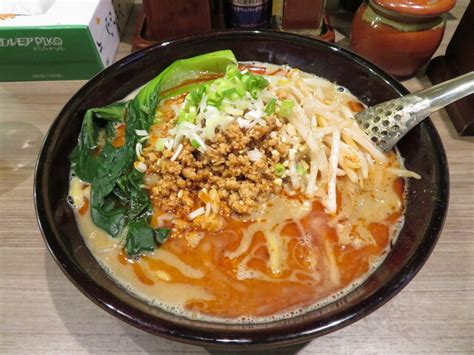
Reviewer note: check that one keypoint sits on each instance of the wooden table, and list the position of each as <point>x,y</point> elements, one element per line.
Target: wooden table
<point>42,312</point>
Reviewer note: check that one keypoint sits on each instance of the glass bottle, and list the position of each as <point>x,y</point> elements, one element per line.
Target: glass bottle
<point>249,13</point>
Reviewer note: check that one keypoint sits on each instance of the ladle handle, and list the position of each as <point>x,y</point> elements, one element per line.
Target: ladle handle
<point>443,94</point>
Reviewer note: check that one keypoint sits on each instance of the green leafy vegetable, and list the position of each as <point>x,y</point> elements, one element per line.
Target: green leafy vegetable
<point>118,198</point>
<point>107,212</point>
<point>128,189</point>
<point>184,88</point>
<point>161,234</point>
<point>179,72</point>
<point>83,157</point>
<point>89,133</point>
<point>140,238</point>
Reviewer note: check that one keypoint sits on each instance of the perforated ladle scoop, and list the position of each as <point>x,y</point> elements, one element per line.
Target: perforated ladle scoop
<point>387,122</point>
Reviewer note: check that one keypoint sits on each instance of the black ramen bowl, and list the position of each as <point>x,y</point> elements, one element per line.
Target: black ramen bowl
<point>425,211</point>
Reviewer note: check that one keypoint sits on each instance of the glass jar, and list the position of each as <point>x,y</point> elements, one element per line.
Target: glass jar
<point>399,35</point>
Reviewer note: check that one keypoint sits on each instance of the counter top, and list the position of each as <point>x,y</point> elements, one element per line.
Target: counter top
<point>42,312</point>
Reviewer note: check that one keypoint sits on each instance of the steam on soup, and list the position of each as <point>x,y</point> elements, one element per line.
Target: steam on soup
<point>239,192</point>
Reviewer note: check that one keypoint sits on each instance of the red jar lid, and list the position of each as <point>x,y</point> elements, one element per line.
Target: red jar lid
<point>417,7</point>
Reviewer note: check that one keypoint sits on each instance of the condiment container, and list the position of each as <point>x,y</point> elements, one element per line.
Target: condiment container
<point>168,19</point>
<point>249,13</point>
<point>399,35</point>
<point>302,14</point>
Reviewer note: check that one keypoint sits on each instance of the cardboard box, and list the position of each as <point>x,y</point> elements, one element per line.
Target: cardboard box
<point>59,39</point>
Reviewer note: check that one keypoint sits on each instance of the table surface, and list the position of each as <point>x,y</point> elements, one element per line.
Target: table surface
<point>42,312</point>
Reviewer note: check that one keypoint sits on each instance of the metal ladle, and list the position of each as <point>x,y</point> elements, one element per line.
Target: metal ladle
<point>387,122</point>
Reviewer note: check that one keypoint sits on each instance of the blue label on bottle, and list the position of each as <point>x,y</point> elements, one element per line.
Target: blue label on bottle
<point>250,13</point>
